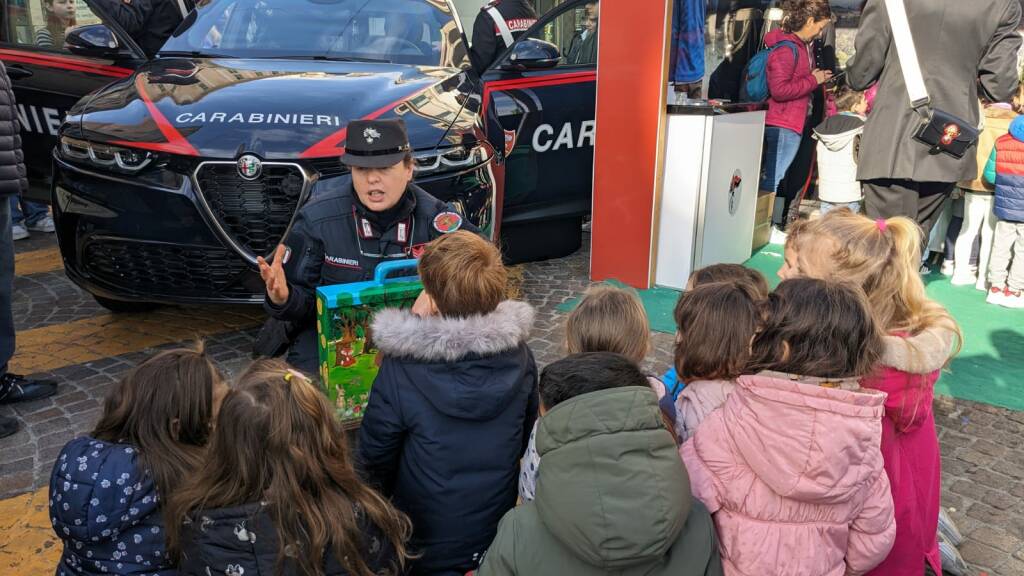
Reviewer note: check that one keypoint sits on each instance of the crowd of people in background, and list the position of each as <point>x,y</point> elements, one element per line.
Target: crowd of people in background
<point>867,157</point>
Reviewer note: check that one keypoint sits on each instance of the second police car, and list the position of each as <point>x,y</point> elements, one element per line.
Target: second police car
<point>168,183</point>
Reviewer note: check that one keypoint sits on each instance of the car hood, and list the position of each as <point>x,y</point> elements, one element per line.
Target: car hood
<point>277,109</point>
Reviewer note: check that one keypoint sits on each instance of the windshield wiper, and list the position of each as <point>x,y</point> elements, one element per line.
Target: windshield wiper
<point>330,58</point>
<point>191,54</point>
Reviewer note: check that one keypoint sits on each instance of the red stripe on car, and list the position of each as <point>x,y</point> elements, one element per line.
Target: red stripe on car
<point>176,143</point>
<point>536,82</point>
<point>63,63</point>
<point>332,145</point>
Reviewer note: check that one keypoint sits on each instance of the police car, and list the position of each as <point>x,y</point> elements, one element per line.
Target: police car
<point>170,176</point>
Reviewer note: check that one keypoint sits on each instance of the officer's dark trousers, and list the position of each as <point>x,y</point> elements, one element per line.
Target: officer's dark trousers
<point>6,285</point>
<point>920,201</point>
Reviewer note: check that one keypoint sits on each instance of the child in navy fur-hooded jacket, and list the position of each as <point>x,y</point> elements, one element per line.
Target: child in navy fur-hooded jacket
<point>452,407</point>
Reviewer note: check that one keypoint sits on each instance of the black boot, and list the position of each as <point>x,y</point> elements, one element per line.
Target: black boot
<point>14,388</point>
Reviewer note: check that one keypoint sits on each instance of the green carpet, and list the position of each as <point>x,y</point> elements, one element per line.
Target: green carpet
<point>989,369</point>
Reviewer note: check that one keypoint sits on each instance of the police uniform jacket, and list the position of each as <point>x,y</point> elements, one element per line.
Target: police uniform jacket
<point>335,240</point>
<point>487,42</point>
<point>149,22</point>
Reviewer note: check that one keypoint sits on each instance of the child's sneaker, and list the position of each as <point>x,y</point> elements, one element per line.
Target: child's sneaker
<point>963,278</point>
<point>19,232</point>
<point>996,295</point>
<point>1012,299</point>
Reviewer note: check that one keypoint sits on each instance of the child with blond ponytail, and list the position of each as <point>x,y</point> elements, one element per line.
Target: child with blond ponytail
<point>921,337</point>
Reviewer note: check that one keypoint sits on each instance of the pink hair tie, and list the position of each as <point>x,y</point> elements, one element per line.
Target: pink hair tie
<point>882,226</point>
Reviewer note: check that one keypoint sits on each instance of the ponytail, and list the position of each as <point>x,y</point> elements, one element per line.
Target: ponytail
<point>884,257</point>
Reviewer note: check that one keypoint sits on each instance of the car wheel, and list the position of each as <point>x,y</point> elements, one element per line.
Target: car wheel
<point>541,240</point>
<point>122,306</point>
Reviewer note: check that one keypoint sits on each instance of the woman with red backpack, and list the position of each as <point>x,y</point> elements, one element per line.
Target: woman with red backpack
<point>791,80</point>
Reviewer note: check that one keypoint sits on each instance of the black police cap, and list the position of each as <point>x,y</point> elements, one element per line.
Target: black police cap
<point>376,143</point>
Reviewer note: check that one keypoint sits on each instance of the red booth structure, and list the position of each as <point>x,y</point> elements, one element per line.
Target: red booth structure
<point>675,186</point>
<point>632,82</point>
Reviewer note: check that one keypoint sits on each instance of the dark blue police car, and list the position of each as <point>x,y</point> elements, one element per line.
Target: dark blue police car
<point>168,183</point>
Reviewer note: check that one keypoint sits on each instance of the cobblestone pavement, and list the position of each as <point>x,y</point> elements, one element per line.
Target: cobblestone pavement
<point>983,453</point>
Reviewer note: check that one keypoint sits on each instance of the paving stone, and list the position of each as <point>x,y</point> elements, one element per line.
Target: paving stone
<point>43,415</point>
<point>71,398</point>
<point>998,539</point>
<point>982,555</point>
<point>1012,567</point>
<point>1000,500</point>
<point>992,479</point>
<point>11,484</point>
<point>952,440</point>
<point>1011,469</point>
<point>974,457</point>
<point>988,514</point>
<point>23,465</point>
<point>990,449</point>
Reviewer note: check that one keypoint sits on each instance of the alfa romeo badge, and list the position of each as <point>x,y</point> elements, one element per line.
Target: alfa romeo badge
<point>249,167</point>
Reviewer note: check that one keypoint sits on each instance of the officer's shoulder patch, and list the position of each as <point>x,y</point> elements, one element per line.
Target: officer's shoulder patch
<point>447,222</point>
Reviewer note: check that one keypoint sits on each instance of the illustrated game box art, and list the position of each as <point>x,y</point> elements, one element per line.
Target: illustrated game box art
<point>348,357</point>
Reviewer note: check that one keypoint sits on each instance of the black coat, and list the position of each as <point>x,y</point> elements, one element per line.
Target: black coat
<point>448,420</point>
<point>149,22</point>
<point>13,178</point>
<point>329,246</point>
<point>243,541</point>
<point>488,43</point>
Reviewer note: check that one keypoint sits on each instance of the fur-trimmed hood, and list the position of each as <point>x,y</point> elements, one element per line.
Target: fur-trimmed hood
<point>921,354</point>
<point>438,339</point>
<point>468,368</point>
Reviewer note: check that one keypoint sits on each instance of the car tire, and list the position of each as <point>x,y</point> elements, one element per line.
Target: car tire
<point>122,306</point>
<point>541,240</point>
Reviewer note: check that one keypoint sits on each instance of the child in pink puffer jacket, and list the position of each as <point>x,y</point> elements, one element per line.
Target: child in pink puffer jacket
<point>791,467</point>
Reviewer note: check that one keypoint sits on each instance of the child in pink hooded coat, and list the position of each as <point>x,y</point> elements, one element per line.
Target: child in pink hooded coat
<point>715,323</point>
<point>790,466</point>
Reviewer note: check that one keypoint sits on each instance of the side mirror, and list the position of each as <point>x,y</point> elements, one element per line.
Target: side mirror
<point>532,54</point>
<point>94,41</point>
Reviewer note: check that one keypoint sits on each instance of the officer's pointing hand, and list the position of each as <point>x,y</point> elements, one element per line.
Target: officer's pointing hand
<point>273,276</point>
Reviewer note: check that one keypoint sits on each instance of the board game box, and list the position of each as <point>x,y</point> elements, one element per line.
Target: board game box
<point>348,357</point>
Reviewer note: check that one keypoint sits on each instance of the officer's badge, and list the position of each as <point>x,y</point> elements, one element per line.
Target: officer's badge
<point>370,134</point>
<point>447,222</point>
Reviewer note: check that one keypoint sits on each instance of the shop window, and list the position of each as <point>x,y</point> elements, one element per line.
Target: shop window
<point>575,34</point>
<point>45,23</point>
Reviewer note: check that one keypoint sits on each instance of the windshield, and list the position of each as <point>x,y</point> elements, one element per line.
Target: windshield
<point>421,32</point>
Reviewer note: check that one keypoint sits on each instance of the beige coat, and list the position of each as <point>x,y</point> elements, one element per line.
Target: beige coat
<point>997,123</point>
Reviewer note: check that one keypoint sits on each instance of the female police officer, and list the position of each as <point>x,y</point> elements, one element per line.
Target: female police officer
<point>341,235</point>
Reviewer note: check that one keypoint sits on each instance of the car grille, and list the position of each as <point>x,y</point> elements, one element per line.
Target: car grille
<point>165,269</point>
<point>329,167</point>
<point>255,213</point>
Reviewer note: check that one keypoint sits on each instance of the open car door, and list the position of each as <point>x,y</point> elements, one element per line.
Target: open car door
<point>52,64</point>
<point>538,106</point>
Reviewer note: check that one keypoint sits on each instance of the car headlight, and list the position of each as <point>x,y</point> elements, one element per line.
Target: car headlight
<point>121,159</point>
<point>453,159</point>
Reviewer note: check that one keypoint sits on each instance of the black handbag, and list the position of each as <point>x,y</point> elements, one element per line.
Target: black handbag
<point>945,133</point>
<point>940,131</point>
